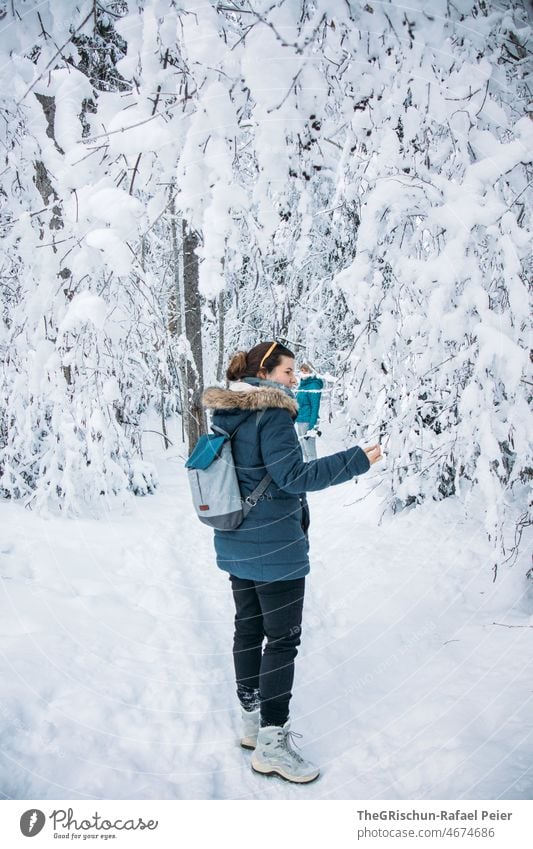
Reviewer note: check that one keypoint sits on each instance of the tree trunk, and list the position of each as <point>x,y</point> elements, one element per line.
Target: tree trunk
<point>194,414</point>
<point>221,352</point>
<point>175,312</point>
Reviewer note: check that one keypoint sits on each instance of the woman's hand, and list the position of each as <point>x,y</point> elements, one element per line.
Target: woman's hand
<point>373,453</point>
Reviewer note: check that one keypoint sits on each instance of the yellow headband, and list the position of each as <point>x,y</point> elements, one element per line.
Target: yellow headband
<point>267,354</point>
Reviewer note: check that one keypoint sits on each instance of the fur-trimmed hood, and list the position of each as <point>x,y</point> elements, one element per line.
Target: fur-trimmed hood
<point>253,398</point>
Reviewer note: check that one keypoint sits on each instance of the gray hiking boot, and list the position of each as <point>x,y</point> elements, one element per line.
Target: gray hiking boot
<point>250,728</point>
<point>274,755</point>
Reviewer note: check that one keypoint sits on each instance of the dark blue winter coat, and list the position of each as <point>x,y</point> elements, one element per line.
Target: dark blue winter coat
<point>308,399</point>
<point>271,544</point>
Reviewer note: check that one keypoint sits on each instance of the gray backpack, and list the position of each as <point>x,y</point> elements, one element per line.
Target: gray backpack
<point>214,484</point>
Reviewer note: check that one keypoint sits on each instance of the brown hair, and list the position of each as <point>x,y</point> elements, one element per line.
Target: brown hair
<point>248,363</point>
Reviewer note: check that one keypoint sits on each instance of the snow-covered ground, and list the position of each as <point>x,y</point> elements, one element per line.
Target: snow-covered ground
<point>117,670</point>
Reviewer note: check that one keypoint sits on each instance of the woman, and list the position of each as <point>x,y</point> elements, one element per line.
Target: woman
<point>308,400</point>
<point>267,556</point>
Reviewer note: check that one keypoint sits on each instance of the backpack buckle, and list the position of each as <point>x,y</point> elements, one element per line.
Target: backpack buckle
<point>251,501</point>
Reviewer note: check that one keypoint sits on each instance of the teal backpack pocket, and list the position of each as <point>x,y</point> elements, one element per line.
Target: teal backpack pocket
<point>207,449</point>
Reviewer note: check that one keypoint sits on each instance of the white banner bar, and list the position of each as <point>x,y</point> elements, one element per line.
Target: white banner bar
<point>267,824</point>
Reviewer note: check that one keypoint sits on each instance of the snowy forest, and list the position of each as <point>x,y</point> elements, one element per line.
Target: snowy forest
<point>181,180</point>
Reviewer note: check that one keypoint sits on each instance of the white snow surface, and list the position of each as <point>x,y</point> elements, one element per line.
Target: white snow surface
<point>116,657</point>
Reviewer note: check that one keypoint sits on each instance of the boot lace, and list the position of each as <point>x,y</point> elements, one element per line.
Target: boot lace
<point>286,744</point>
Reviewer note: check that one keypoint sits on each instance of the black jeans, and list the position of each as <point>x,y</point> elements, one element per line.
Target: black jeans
<point>274,611</point>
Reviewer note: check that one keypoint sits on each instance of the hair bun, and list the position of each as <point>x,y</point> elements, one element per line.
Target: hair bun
<point>237,366</point>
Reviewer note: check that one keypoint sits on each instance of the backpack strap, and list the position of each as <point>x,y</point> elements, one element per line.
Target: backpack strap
<point>252,499</point>
<point>225,433</point>
<point>222,431</point>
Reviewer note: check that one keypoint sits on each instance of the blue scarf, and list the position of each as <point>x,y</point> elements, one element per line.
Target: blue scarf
<point>258,381</point>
